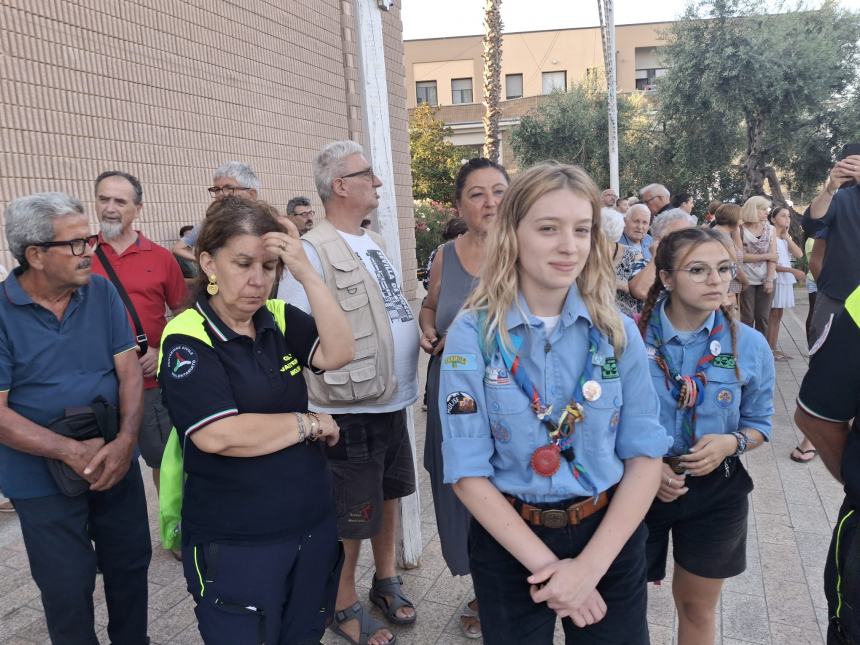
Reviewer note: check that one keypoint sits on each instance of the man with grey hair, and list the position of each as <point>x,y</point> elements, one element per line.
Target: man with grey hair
<point>608,197</point>
<point>656,197</point>
<point>66,348</point>
<point>637,220</point>
<point>152,278</point>
<point>674,219</point>
<point>231,178</point>
<point>372,464</point>
<point>300,213</point>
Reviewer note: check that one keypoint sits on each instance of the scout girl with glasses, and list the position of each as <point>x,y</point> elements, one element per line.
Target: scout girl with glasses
<point>549,424</point>
<point>714,377</point>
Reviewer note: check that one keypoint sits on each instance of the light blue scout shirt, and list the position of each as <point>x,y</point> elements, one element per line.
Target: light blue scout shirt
<point>729,403</point>
<point>491,430</point>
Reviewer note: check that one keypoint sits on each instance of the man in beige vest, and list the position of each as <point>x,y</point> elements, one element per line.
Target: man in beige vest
<point>372,463</point>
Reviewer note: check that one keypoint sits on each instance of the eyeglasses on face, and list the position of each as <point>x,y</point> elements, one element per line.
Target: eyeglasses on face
<point>78,246</point>
<point>699,273</point>
<point>215,191</point>
<point>367,172</point>
<point>304,214</point>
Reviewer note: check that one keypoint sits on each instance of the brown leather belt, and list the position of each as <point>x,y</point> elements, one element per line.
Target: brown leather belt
<point>675,464</point>
<point>556,518</point>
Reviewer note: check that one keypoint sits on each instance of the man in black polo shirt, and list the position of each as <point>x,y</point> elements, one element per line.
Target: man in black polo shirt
<point>829,399</point>
<point>839,210</point>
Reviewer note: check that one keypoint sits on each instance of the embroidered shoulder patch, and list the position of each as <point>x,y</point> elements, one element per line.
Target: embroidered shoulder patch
<point>461,403</point>
<point>726,361</point>
<point>181,361</point>
<point>451,362</point>
<point>609,369</point>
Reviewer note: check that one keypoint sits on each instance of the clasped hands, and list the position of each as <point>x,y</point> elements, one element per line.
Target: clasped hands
<point>569,588</point>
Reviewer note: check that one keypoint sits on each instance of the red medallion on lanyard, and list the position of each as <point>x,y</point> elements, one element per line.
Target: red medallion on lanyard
<point>546,460</point>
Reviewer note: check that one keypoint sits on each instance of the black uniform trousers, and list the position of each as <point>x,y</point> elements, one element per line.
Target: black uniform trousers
<point>277,593</point>
<point>842,579</point>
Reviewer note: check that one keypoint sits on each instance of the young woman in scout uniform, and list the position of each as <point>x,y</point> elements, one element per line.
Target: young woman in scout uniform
<point>550,438</point>
<point>714,377</point>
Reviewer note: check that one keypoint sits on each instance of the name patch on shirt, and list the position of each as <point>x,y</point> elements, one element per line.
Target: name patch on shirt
<point>726,361</point>
<point>181,361</point>
<point>291,365</point>
<point>496,376</point>
<point>461,403</point>
<point>609,369</point>
<point>459,362</point>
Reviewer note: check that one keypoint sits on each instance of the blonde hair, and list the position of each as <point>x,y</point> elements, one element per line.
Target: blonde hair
<point>748,210</point>
<point>498,287</point>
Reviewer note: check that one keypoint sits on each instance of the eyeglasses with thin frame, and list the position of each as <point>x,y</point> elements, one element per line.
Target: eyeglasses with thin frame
<point>699,273</point>
<point>305,214</point>
<point>78,245</point>
<point>367,172</point>
<point>226,190</point>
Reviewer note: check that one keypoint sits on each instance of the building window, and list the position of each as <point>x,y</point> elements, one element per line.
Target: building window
<point>425,92</point>
<point>553,81</point>
<point>646,78</point>
<point>513,86</point>
<point>461,90</point>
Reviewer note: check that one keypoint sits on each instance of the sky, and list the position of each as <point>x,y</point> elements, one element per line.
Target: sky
<point>437,18</point>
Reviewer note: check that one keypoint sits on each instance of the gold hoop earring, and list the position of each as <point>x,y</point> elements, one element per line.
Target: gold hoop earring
<point>212,287</point>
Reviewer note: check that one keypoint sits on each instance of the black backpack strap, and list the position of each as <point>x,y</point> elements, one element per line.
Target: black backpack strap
<point>140,335</point>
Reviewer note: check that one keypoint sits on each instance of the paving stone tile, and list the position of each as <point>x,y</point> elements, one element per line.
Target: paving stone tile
<point>789,603</point>
<point>809,518</point>
<point>789,634</point>
<point>781,562</point>
<point>774,529</point>
<point>745,617</point>
<point>17,620</point>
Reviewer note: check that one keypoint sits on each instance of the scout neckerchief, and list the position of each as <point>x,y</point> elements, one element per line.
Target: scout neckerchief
<point>689,391</point>
<point>546,460</point>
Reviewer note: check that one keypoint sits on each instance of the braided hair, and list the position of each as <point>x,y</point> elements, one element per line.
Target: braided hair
<point>671,250</point>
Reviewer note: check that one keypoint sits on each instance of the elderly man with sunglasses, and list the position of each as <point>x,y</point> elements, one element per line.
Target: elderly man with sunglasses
<point>231,178</point>
<point>65,342</point>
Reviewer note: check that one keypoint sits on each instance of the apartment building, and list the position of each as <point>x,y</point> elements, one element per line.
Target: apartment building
<point>448,72</point>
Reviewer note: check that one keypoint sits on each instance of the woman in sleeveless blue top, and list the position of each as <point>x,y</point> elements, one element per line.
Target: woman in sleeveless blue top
<point>479,188</point>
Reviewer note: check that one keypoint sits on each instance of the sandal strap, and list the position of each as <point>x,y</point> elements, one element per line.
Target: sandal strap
<point>392,587</point>
<point>367,624</point>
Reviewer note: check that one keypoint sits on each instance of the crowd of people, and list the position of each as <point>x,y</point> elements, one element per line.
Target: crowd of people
<point>598,368</point>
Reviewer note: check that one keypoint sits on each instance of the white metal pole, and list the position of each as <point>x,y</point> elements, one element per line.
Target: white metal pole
<point>611,95</point>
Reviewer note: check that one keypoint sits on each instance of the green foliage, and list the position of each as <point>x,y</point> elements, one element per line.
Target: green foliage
<point>430,219</point>
<point>746,90</point>
<point>572,127</point>
<point>435,161</point>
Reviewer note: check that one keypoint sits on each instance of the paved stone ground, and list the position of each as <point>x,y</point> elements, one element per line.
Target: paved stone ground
<point>777,600</point>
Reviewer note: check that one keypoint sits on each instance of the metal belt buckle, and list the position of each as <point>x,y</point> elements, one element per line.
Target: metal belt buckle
<point>553,518</point>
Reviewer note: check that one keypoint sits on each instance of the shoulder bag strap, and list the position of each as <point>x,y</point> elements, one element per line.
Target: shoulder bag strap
<point>140,335</point>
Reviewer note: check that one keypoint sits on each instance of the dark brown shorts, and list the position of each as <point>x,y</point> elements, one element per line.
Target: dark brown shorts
<point>371,463</point>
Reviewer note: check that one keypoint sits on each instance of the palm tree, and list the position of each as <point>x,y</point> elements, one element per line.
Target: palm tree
<point>492,77</point>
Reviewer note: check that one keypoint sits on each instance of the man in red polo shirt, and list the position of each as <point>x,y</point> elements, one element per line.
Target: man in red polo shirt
<point>153,280</point>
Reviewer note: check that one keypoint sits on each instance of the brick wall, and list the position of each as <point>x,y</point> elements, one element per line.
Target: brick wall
<point>169,90</point>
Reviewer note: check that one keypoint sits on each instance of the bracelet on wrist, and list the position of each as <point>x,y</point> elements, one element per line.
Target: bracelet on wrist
<point>316,427</point>
<point>300,425</point>
<point>741,438</point>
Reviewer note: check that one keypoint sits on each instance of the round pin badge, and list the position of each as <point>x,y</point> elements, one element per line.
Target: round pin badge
<point>591,390</point>
<point>716,348</point>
